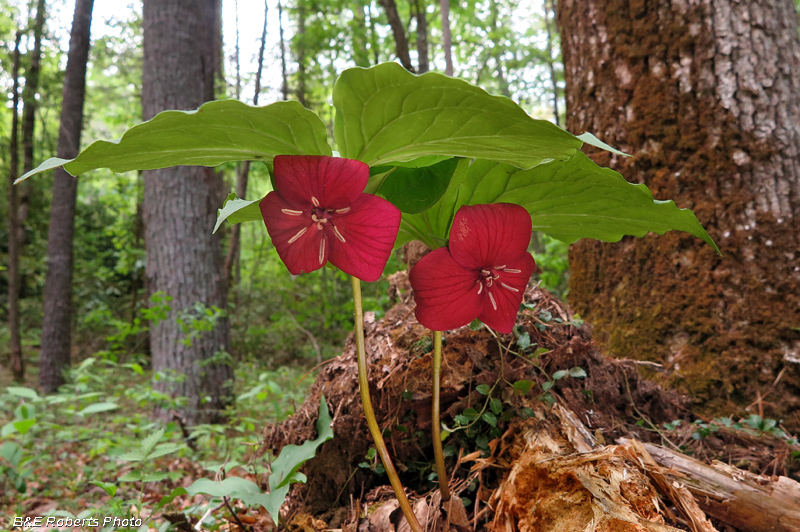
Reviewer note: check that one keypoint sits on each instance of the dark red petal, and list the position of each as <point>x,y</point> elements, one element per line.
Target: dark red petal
<point>303,253</point>
<point>446,293</point>
<point>489,235</point>
<point>333,181</point>
<point>507,292</point>
<point>369,230</point>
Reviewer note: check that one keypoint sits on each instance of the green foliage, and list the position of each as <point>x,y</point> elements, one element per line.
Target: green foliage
<point>385,114</point>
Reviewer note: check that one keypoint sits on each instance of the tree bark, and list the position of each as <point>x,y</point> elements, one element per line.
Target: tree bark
<point>399,32</point>
<point>300,49</point>
<point>56,325</point>
<point>29,117</point>
<point>180,68</point>
<point>284,77</point>
<point>706,96</point>
<point>423,64</point>
<point>16,358</point>
<point>447,40</point>
<point>550,63</point>
<point>232,257</point>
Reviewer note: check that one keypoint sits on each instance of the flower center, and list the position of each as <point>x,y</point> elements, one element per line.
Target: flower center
<point>489,277</point>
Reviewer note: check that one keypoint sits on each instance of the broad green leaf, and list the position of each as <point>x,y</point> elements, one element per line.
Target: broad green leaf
<point>568,200</point>
<point>413,190</point>
<point>98,407</point>
<point>385,114</point>
<point>164,449</point>
<point>271,501</point>
<point>109,487</point>
<point>292,457</point>
<point>230,487</point>
<point>575,199</point>
<point>237,210</point>
<point>20,391</point>
<point>217,132</point>
<point>132,456</point>
<point>11,452</point>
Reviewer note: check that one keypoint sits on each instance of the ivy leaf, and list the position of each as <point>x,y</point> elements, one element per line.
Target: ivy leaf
<point>217,132</point>
<point>237,210</point>
<point>568,200</point>
<point>385,114</point>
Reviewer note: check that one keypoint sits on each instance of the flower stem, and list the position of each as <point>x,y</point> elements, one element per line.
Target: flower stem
<point>436,424</point>
<point>366,402</point>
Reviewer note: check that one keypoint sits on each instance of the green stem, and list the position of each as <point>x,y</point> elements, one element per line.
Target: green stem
<point>366,402</point>
<point>436,423</point>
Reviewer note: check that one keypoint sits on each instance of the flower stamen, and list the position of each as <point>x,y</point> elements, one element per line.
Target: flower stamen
<point>342,211</point>
<point>480,287</point>
<point>512,270</point>
<point>314,201</point>
<point>321,250</point>
<point>291,212</point>
<point>491,298</point>
<point>499,267</point>
<point>300,233</point>
<point>504,285</point>
<point>337,233</point>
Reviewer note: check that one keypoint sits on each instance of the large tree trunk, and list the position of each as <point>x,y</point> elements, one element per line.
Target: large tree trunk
<point>420,15</point>
<point>706,96</point>
<point>181,65</point>
<point>56,325</point>
<point>16,359</point>
<point>399,32</point>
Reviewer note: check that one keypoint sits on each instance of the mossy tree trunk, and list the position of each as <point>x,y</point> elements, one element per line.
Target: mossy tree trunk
<point>706,96</point>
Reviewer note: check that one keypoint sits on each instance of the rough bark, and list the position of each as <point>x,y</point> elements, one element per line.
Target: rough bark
<point>300,50</point>
<point>57,322</point>
<point>706,96</point>
<point>232,258</point>
<point>399,33</point>
<point>284,78</point>
<point>16,358</point>
<point>183,257</point>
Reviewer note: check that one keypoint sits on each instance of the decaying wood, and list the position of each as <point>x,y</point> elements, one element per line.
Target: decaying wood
<point>752,503</point>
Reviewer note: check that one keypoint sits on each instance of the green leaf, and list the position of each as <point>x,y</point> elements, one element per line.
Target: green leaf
<point>132,456</point>
<point>577,373</point>
<point>590,139</point>
<point>26,393</point>
<point>155,477</point>
<point>109,487</point>
<point>98,407</point>
<point>413,190</point>
<point>523,387</point>
<point>385,114</point>
<point>490,418</point>
<point>24,425</point>
<point>483,389</point>
<point>217,132</point>
<point>164,449</point>
<point>166,499</point>
<point>568,200</point>
<point>560,374</point>
<point>131,476</point>
<point>230,487</point>
<point>11,452</point>
<point>150,441</point>
<point>237,210</point>
<point>293,456</point>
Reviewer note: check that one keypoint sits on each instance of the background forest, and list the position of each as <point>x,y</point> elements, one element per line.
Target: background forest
<point>711,118</point>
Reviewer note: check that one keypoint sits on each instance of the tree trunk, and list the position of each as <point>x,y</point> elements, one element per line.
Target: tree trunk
<point>706,96</point>
<point>423,64</point>
<point>56,325</point>
<point>551,66</point>
<point>447,41</point>
<point>181,65</point>
<point>232,257</point>
<point>399,32</point>
<point>300,49</point>
<point>16,359</point>
<point>284,77</point>
<point>29,118</point>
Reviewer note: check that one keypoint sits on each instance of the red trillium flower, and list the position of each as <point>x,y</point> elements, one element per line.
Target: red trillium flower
<point>319,213</point>
<point>481,274</point>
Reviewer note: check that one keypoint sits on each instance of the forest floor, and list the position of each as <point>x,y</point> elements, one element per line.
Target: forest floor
<point>74,454</point>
